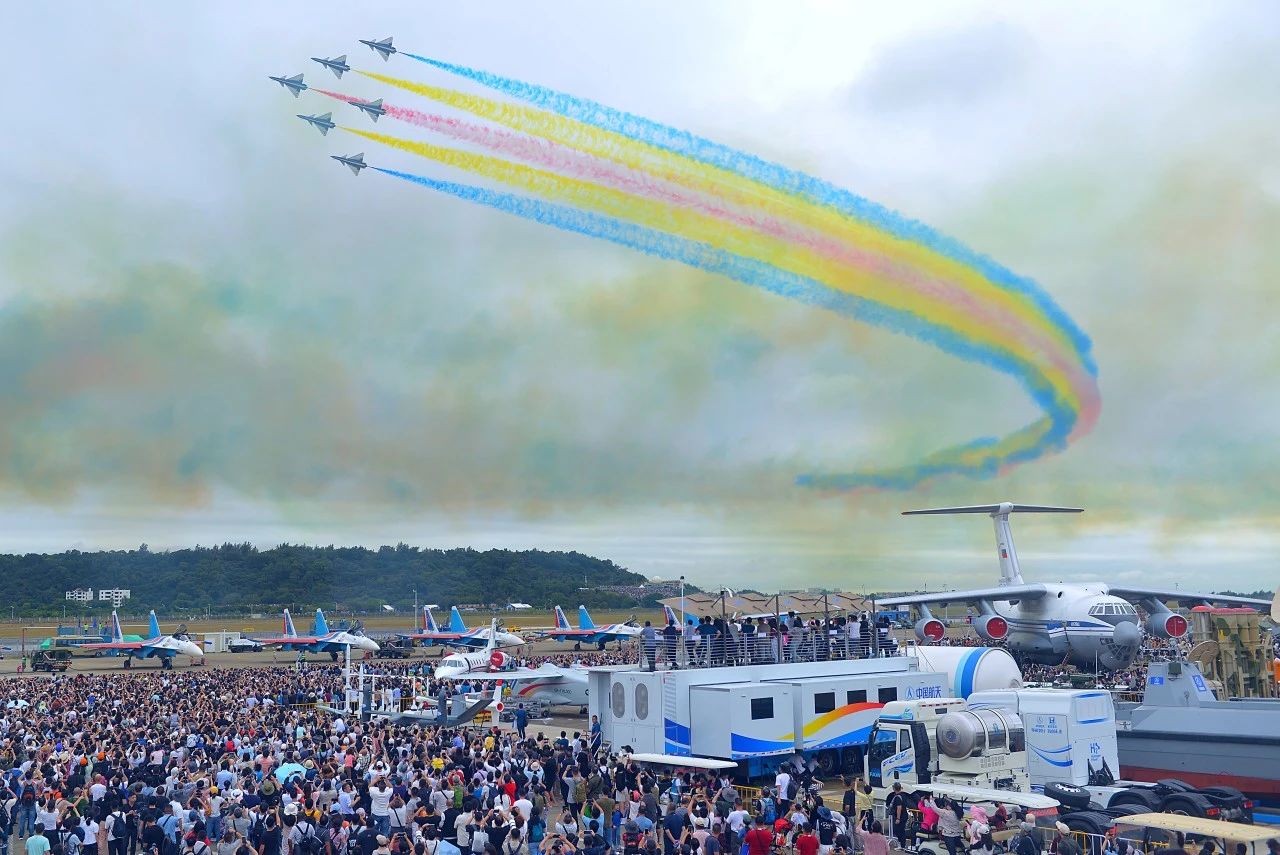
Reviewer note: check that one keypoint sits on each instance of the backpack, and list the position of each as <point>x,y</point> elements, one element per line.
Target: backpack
<point>793,789</point>
<point>255,832</point>
<point>457,795</point>
<point>4,819</point>
<point>310,844</point>
<point>768,809</point>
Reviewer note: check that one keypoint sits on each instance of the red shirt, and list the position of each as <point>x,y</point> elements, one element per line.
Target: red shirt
<point>806,844</point>
<point>758,841</point>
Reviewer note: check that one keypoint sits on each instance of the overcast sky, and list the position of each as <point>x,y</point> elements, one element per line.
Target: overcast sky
<point>210,332</point>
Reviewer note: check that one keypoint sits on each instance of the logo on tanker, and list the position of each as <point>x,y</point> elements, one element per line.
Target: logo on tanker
<point>1095,749</point>
<point>923,692</point>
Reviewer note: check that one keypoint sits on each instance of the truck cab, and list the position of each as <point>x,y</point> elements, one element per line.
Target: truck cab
<point>942,740</point>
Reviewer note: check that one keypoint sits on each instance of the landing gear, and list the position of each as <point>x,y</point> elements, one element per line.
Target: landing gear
<point>166,664</point>
<point>333,656</point>
<point>128,662</point>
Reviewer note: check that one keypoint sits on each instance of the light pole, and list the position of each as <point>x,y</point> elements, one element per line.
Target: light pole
<point>415,602</point>
<point>682,619</point>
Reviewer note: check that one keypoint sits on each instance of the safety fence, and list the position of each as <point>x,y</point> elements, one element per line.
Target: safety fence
<point>738,648</point>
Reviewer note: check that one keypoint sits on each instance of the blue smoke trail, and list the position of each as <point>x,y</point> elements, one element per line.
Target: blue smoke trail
<point>805,290</point>
<point>778,177</point>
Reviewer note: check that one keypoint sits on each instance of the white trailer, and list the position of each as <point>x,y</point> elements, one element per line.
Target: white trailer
<point>758,715</point>
<point>1071,733</point>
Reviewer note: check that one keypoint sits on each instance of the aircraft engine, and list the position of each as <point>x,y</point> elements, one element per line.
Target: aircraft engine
<point>991,627</point>
<point>1166,624</point>
<point>499,660</point>
<point>930,630</point>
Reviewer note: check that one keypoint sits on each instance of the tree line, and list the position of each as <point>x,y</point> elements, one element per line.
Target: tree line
<point>241,579</point>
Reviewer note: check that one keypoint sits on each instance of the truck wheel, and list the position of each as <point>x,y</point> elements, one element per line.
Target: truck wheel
<point>851,760</point>
<point>1076,798</point>
<point>1173,785</point>
<point>1125,810</point>
<point>1187,804</point>
<point>1141,798</point>
<point>828,763</point>
<point>1086,820</point>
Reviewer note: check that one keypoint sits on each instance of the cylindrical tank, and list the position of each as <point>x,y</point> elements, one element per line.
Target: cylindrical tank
<point>971,733</point>
<point>970,669</point>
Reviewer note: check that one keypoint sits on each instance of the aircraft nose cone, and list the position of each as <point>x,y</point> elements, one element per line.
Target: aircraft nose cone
<point>190,648</point>
<point>1127,634</point>
<point>369,644</point>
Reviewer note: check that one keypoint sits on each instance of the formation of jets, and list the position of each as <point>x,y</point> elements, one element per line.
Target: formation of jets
<point>338,64</point>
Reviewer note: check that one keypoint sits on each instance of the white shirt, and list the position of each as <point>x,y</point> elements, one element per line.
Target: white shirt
<point>97,791</point>
<point>782,781</point>
<point>525,807</point>
<point>379,801</point>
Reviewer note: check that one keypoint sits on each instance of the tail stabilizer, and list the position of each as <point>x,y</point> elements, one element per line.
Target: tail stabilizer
<point>670,614</point>
<point>455,620</point>
<point>428,620</point>
<point>584,619</point>
<point>288,624</point>
<point>492,643</point>
<point>154,627</point>
<point>116,633</point>
<point>1010,571</point>
<point>322,625</point>
<point>562,622</point>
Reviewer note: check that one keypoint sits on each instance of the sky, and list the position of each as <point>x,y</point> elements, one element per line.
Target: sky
<point>210,332</point>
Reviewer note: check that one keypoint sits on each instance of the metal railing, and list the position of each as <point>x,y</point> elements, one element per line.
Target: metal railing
<point>738,648</point>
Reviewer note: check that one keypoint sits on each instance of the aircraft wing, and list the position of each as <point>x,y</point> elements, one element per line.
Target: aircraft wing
<point>517,675</point>
<point>1188,597</point>
<point>290,639</point>
<point>115,645</point>
<point>1006,593</point>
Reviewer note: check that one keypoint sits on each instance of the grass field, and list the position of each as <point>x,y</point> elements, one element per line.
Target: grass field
<point>40,628</point>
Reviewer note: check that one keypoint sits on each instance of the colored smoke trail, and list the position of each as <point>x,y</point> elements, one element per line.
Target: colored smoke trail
<point>769,174</point>
<point>911,264</point>
<point>980,458</point>
<point>557,158</point>
<point>664,192</point>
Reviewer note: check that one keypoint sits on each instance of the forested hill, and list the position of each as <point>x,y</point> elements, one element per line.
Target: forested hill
<point>239,578</point>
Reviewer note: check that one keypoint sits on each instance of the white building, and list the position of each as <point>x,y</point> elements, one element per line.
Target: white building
<point>81,595</point>
<point>115,596</point>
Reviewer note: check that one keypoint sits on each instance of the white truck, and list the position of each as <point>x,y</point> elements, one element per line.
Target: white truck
<point>946,741</point>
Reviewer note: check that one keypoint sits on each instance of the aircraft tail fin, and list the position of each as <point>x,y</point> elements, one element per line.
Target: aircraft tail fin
<point>584,619</point>
<point>455,620</point>
<point>288,624</point>
<point>492,643</point>
<point>562,622</point>
<point>1010,571</point>
<point>322,625</point>
<point>154,626</point>
<point>117,634</point>
<point>670,614</point>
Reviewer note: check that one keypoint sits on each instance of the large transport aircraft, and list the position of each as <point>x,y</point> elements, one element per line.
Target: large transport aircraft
<point>323,641</point>
<point>457,635</point>
<point>154,646</point>
<point>587,630</point>
<point>1092,625</point>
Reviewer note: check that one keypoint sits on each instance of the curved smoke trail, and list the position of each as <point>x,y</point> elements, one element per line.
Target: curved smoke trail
<point>662,191</point>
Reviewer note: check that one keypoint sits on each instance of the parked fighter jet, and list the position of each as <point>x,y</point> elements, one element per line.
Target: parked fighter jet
<point>354,161</point>
<point>293,84</point>
<point>337,65</point>
<point>383,48</point>
<point>323,124</point>
<point>323,641</point>
<point>154,646</point>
